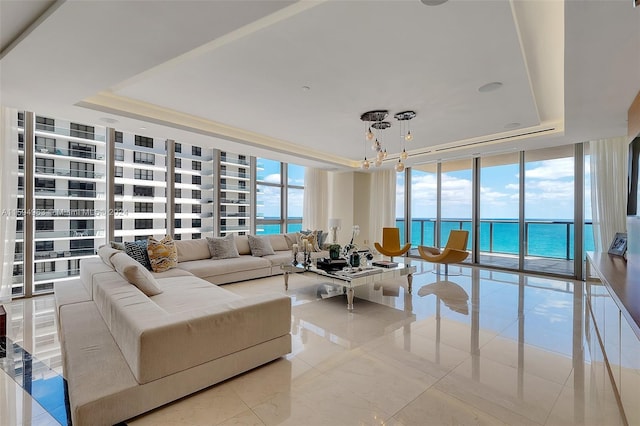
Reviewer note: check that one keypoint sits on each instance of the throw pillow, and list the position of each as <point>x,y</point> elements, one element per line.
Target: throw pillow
<point>223,247</point>
<point>311,236</point>
<point>312,240</point>
<point>291,238</point>
<point>135,274</point>
<point>138,251</point>
<point>163,254</point>
<point>116,245</point>
<point>105,252</point>
<point>260,245</point>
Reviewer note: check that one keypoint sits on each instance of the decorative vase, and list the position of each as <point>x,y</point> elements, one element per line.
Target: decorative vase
<point>334,251</point>
<point>354,260</point>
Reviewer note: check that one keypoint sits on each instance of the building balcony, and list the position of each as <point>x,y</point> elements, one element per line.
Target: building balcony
<point>48,152</point>
<point>232,202</point>
<point>64,235</point>
<point>234,161</point>
<point>82,174</point>
<point>235,188</point>
<point>71,134</point>
<point>234,228</point>
<point>65,254</point>
<point>67,193</point>
<point>227,174</point>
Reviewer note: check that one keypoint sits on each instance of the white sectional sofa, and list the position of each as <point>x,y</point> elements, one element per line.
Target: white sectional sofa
<point>125,353</point>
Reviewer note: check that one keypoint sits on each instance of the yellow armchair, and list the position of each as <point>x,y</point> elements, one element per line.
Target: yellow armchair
<point>391,243</point>
<point>454,252</point>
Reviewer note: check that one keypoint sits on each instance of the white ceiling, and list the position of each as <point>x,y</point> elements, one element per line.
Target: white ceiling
<point>231,74</point>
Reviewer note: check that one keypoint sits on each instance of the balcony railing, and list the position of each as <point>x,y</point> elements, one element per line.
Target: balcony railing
<point>69,172</point>
<point>75,153</point>
<point>40,255</point>
<point>545,238</point>
<point>233,161</point>
<point>228,173</point>
<point>83,193</point>
<point>79,233</point>
<point>69,132</point>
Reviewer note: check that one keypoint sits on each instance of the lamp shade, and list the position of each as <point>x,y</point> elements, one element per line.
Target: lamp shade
<point>335,223</point>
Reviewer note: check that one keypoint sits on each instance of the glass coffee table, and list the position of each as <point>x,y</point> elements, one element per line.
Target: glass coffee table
<point>354,278</point>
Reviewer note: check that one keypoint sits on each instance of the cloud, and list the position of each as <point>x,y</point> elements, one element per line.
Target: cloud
<point>272,178</point>
<point>551,169</point>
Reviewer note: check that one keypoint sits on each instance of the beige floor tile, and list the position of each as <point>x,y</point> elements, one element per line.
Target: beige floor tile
<point>209,406</point>
<point>434,407</point>
<point>501,390</point>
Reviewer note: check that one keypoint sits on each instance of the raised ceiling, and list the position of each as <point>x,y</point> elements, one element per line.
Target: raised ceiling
<point>231,74</point>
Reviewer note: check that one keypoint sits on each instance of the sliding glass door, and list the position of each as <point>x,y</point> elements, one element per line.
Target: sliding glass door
<point>499,210</point>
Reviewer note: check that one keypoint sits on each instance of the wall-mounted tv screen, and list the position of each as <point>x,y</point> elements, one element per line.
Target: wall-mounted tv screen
<point>633,184</point>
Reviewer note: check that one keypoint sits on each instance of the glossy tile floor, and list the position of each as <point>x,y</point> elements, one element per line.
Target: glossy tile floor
<point>478,348</point>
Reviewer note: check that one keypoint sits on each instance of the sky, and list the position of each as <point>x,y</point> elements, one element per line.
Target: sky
<point>270,196</point>
<point>548,191</point>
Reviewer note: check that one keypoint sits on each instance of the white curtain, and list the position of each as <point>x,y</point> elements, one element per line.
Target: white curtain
<point>315,204</point>
<point>8,198</point>
<point>383,203</point>
<point>609,165</point>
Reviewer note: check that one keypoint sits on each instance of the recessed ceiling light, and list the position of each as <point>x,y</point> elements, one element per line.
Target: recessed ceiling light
<point>512,125</point>
<point>433,2</point>
<point>490,87</point>
<point>143,128</point>
<point>109,120</point>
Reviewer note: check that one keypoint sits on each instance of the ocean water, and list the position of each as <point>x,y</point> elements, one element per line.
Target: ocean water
<point>552,238</point>
<point>548,238</point>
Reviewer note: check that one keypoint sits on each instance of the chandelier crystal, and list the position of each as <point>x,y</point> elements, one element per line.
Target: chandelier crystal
<point>375,125</point>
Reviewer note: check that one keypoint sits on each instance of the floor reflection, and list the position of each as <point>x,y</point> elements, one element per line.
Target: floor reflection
<point>483,347</point>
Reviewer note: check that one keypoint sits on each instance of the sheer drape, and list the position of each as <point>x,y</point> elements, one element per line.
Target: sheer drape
<point>382,202</point>
<point>609,165</point>
<point>315,203</point>
<point>8,198</point>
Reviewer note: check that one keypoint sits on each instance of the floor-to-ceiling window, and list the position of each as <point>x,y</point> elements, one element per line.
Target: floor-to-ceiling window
<point>456,197</point>
<point>278,198</point>
<point>499,210</point>
<point>295,195</point>
<point>547,224</point>
<point>549,208</point>
<point>424,204</point>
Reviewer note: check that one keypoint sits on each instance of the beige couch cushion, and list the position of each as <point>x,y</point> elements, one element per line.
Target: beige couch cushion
<point>279,258</point>
<point>192,250</point>
<point>279,242</point>
<point>89,268</point>
<point>207,268</point>
<point>242,243</point>
<point>105,252</point>
<point>185,294</point>
<point>135,273</point>
<point>171,273</point>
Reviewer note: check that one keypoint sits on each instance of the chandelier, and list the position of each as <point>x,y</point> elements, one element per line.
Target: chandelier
<point>375,125</point>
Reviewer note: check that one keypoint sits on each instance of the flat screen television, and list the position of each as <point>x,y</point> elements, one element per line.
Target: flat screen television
<point>633,184</point>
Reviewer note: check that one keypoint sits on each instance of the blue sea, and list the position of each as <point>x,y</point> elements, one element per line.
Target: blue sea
<point>546,238</point>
